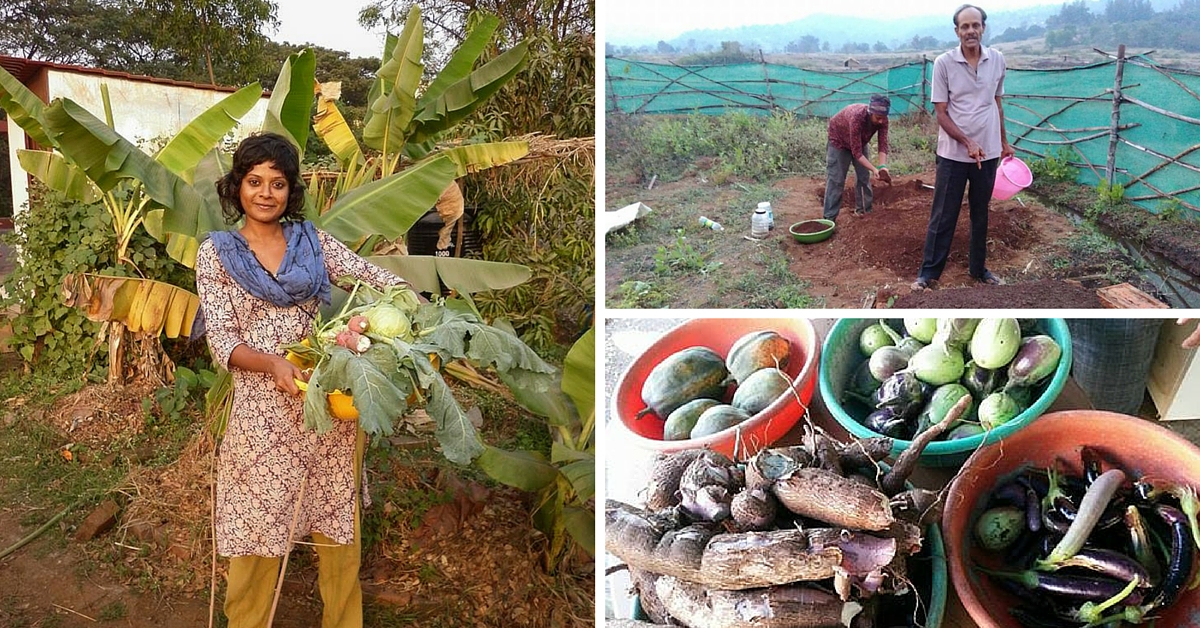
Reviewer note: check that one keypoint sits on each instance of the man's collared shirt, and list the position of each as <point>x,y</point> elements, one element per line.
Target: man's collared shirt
<point>970,95</point>
<point>851,128</point>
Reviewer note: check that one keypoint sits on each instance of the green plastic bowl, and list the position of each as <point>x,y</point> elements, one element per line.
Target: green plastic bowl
<point>806,235</point>
<point>840,355</point>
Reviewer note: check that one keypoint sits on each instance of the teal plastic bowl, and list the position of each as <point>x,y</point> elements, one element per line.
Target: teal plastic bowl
<point>933,550</point>
<point>840,355</point>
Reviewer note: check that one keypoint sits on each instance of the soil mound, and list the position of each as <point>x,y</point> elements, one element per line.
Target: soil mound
<point>1045,294</point>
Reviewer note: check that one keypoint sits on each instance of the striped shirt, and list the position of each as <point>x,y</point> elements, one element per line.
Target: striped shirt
<point>851,128</point>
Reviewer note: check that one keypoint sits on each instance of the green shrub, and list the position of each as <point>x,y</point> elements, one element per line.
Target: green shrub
<point>1054,166</point>
<point>57,237</point>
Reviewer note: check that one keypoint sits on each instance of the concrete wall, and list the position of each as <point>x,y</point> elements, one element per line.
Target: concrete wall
<point>147,114</point>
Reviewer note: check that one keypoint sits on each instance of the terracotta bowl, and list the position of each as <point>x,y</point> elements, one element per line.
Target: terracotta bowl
<point>718,334</point>
<point>1138,445</point>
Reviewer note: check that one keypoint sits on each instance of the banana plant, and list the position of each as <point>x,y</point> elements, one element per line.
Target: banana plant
<point>566,483</point>
<point>400,126</point>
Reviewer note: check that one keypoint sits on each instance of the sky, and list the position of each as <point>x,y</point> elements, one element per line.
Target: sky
<point>313,21</point>
<point>633,21</point>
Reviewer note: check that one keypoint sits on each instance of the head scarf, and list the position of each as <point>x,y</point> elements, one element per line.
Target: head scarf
<point>880,105</point>
<point>301,275</point>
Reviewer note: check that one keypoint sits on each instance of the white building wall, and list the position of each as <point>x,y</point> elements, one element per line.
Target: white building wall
<point>147,114</point>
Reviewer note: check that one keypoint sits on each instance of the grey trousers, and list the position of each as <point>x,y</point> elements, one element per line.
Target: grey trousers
<point>837,163</point>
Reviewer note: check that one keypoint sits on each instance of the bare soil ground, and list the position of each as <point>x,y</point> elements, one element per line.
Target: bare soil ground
<point>878,254</point>
<point>442,550</point>
<point>871,260</point>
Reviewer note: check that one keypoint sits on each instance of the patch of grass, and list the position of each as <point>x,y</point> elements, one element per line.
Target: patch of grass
<point>642,294</point>
<point>381,616</point>
<point>112,610</point>
<point>679,257</point>
<point>742,147</point>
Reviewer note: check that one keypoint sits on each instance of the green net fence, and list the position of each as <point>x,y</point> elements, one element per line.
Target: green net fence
<point>1066,113</point>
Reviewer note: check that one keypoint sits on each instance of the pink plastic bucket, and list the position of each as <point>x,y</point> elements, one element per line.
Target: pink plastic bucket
<point>1011,177</point>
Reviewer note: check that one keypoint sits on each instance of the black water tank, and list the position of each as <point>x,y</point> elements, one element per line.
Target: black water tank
<point>422,238</point>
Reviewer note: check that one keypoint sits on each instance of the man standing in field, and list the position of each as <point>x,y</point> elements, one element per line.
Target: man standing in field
<point>849,132</point>
<point>968,82</point>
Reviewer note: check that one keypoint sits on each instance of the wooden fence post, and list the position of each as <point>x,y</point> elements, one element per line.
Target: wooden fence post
<point>612,93</point>
<point>924,71</point>
<point>1110,169</point>
<point>767,79</point>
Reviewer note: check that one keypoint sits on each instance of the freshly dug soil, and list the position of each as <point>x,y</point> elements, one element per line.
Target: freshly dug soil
<point>1047,293</point>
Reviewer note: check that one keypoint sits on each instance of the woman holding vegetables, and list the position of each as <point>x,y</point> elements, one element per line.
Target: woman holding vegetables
<point>260,288</point>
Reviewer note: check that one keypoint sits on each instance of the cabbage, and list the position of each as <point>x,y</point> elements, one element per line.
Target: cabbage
<point>388,321</point>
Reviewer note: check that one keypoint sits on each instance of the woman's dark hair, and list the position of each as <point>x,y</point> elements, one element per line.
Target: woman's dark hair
<point>254,150</point>
<point>982,14</point>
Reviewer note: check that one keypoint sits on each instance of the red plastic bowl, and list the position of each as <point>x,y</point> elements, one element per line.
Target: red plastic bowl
<point>1139,446</point>
<point>719,334</point>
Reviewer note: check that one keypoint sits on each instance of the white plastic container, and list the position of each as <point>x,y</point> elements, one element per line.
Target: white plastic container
<point>770,213</point>
<point>760,223</point>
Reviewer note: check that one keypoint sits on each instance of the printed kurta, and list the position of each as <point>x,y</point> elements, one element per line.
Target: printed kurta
<point>267,453</point>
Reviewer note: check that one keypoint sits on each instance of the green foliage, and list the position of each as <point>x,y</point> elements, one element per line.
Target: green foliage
<point>641,294</point>
<point>1054,166</point>
<point>57,237</point>
<point>1171,210</point>
<point>679,257</point>
<point>174,406</point>
<point>740,145</point>
<point>731,52</point>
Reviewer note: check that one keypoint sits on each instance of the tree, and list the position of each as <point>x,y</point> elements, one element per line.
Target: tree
<point>228,30</point>
<point>880,47</point>
<point>825,46</point>
<point>1075,14</point>
<point>665,48</point>
<point>807,43</point>
<point>1061,38</point>
<point>1127,11</point>
<point>48,30</point>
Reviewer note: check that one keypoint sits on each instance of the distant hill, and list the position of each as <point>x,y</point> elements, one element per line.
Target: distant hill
<point>841,29</point>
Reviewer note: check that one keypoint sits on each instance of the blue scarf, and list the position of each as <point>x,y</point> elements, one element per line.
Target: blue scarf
<point>301,275</point>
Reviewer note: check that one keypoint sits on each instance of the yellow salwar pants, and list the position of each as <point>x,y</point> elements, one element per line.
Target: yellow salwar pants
<point>252,579</point>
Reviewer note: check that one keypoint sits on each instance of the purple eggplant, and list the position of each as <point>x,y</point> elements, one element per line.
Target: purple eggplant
<point>1179,567</point>
<point>902,393</point>
<point>885,421</point>
<point>981,381</point>
<point>1108,563</point>
<point>1139,543</point>
<point>1062,585</point>
<point>1037,357</point>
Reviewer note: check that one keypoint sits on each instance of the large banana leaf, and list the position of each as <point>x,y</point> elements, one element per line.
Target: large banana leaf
<point>466,95</point>
<point>467,276</point>
<point>332,128</point>
<point>183,247</point>
<point>144,305</point>
<point>580,523</point>
<point>24,108</point>
<point>292,98</point>
<point>389,206</point>
<point>195,140</point>
<point>108,158</point>
<point>460,64</point>
<point>525,470</point>
<point>470,158</point>
<point>393,109</point>
<point>579,376</point>
<point>58,174</point>
<point>380,85</point>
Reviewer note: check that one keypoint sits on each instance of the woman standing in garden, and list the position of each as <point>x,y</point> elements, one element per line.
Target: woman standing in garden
<point>260,288</point>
